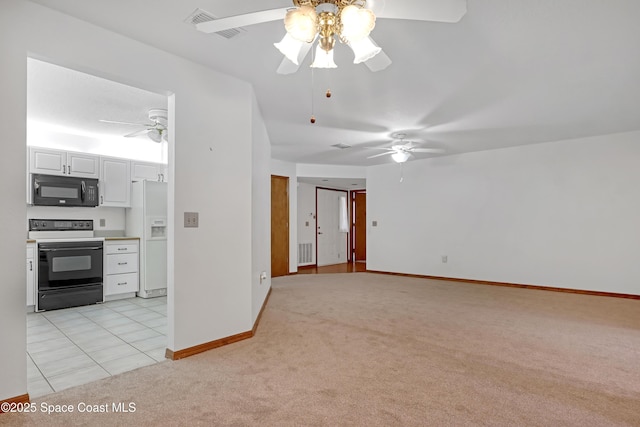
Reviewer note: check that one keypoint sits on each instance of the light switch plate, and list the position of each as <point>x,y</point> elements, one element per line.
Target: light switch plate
<point>191,219</point>
<point>374,223</point>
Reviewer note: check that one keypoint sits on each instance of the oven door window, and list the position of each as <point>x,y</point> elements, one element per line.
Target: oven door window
<point>66,264</point>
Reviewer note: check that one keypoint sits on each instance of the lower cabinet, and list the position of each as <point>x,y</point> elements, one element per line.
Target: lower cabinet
<point>31,276</point>
<point>121,278</point>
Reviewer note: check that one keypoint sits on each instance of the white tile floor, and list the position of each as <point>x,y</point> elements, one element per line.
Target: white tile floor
<point>74,346</point>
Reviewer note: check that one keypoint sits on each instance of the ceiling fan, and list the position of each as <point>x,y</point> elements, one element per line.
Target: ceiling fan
<point>156,130</point>
<point>400,151</point>
<point>349,21</point>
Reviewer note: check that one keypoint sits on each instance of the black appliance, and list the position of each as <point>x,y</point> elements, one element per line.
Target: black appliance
<point>53,190</point>
<point>70,269</point>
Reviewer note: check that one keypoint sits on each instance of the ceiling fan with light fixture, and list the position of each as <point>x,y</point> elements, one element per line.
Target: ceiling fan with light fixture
<point>156,130</point>
<point>348,21</point>
<point>400,151</point>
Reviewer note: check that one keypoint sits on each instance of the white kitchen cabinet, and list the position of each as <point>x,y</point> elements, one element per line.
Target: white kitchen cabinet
<point>143,171</point>
<point>115,182</point>
<point>66,163</point>
<point>121,269</point>
<point>31,276</point>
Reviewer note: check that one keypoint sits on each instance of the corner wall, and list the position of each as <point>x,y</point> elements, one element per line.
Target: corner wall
<point>562,214</point>
<point>210,269</point>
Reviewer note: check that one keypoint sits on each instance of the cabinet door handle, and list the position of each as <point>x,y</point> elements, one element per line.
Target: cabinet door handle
<point>122,283</point>
<point>102,200</point>
<point>30,265</point>
<point>64,169</point>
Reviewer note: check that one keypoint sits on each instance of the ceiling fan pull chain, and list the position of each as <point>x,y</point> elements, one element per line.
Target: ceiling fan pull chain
<point>313,117</point>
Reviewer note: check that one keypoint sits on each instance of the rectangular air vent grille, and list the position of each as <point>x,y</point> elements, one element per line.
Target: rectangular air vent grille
<point>199,16</point>
<point>341,146</point>
<point>305,255</point>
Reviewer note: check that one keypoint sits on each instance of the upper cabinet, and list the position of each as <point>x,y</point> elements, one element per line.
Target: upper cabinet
<point>58,162</point>
<point>115,182</point>
<point>142,171</point>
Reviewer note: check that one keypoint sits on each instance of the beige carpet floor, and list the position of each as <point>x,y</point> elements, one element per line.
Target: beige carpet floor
<point>365,349</point>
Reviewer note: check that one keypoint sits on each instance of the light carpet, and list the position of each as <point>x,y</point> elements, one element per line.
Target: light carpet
<point>378,350</point>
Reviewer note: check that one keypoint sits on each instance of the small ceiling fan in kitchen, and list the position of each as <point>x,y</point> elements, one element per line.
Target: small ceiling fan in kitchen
<point>401,151</point>
<point>156,130</point>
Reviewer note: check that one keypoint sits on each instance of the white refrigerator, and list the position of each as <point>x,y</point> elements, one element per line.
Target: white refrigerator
<point>147,219</point>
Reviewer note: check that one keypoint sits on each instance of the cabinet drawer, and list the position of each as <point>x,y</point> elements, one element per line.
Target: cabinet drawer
<point>122,263</point>
<point>122,249</point>
<point>121,283</point>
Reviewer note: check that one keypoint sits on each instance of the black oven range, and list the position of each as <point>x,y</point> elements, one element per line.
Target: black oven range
<point>70,263</point>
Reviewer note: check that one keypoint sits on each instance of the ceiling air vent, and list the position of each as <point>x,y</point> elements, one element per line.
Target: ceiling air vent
<point>199,16</point>
<point>341,146</point>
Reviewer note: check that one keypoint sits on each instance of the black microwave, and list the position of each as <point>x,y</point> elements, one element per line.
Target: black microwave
<point>52,190</point>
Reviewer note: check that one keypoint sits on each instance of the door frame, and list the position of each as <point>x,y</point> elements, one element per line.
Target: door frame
<point>348,248</point>
<point>352,220</point>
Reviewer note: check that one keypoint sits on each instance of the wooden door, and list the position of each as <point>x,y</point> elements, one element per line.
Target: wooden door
<point>360,226</point>
<point>279,226</point>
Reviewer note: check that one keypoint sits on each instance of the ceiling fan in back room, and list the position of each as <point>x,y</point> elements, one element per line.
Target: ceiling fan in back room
<point>400,151</point>
<point>328,21</point>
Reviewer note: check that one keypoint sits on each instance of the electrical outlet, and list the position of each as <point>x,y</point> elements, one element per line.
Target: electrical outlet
<point>191,219</point>
<point>103,222</point>
<point>263,276</point>
<point>445,258</point>
<point>374,223</point>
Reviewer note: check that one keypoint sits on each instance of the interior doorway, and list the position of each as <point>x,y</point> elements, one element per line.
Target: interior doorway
<point>332,232</point>
<point>279,226</point>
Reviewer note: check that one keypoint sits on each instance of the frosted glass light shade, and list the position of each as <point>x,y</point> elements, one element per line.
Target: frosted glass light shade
<point>364,49</point>
<point>302,23</point>
<point>323,59</point>
<point>357,23</point>
<point>290,48</point>
<point>400,156</point>
<point>155,135</point>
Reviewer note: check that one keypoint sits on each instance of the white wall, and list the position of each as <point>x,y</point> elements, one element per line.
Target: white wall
<point>210,270</point>
<point>307,215</point>
<point>287,169</point>
<point>260,212</point>
<point>330,171</point>
<point>561,214</point>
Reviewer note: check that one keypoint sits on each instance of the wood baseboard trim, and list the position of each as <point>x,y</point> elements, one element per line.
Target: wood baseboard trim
<point>187,352</point>
<point>512,285</point>
<point>181,354</point>
<point>24,398</point>
<point>264,304</point>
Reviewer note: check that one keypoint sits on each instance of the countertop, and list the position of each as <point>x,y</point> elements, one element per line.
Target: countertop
<point>121,238</point>
<point>105,238</point>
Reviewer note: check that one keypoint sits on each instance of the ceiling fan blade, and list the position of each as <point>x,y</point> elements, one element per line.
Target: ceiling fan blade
<point>424,10</point>
<point>123,123</point>
<point>427,150</point>
<point>381,154</point>
<point>288,67</point>
<point>378,62</point>
<point>136,133</point>
<point>242,20</point>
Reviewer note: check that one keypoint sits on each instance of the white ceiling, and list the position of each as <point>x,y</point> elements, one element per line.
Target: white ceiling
<point>511,72</point>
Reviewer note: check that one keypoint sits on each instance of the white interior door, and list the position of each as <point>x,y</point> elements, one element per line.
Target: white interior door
<point>332,243</point>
